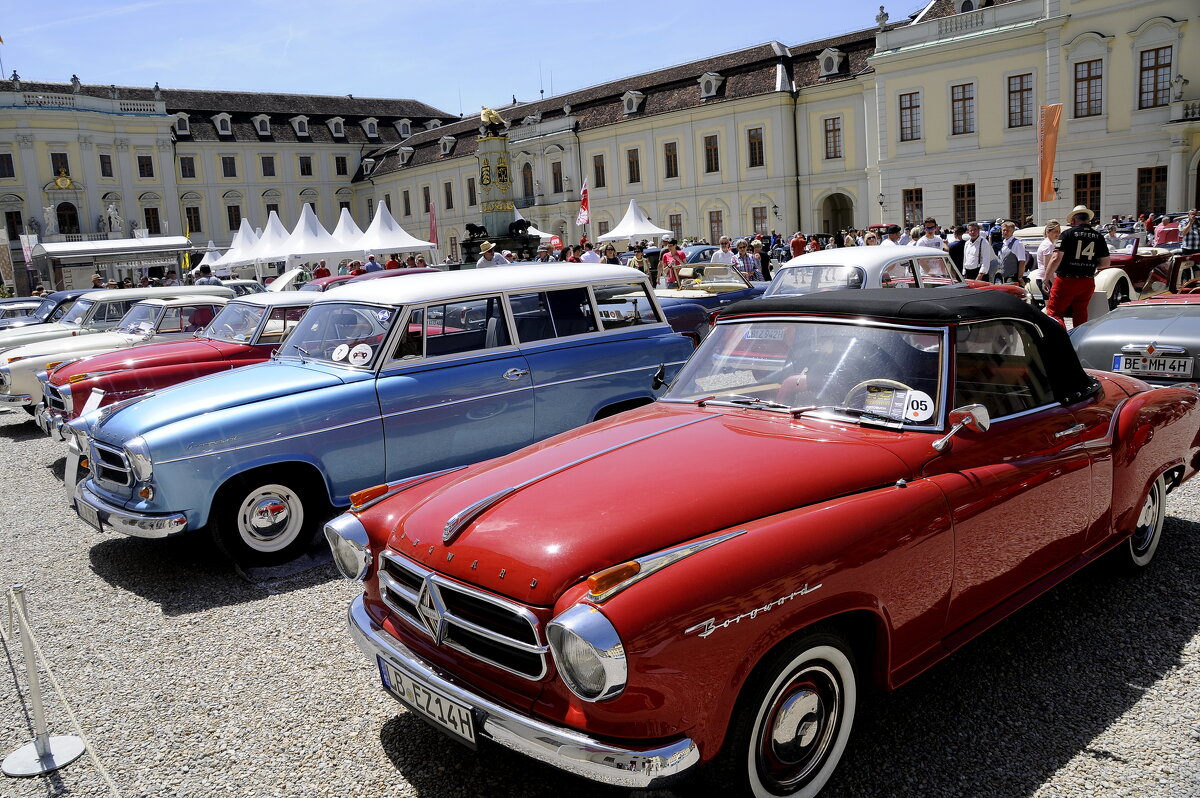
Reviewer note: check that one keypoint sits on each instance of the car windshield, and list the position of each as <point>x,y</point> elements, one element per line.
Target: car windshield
<point>883,375</point>
<point>812,279</point>
<point>343,334</point>
<point>235,323</point>
<point>140,319</point>
<point>78,312</point>
<point>43,310</point>
<point>715,278</point>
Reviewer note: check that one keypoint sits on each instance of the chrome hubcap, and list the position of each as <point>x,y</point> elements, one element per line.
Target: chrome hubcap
<point>800,726</point>
<point>270,517</point>
<point>1147,521</point>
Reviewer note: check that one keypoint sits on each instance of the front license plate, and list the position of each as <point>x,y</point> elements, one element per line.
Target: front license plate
<point>1153,366</point>
<point>89,515</point>
<point>455,718</point>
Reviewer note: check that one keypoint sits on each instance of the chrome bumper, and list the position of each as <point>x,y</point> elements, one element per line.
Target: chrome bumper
<point>21,399</point>
<point>50,421</point>
<point>126,522</point>
<point>563,748</point>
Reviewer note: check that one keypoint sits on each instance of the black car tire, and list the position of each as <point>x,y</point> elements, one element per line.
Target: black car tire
<point>1120,295</point>
<point>1143,543</point>
<point>266,518</point>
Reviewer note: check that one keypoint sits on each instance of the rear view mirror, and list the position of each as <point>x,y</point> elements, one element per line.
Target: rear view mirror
<point>660,377</point>
<point>974,417</point>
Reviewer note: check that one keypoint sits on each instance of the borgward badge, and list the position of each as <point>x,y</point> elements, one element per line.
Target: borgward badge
<point>432,612</point>
<point>1151,348</point>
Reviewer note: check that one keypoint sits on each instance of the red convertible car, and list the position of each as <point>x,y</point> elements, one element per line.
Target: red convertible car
<point>887,475</point>
<point>247,330</point>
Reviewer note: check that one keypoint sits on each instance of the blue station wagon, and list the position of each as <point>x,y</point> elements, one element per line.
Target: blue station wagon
<point>379,381</point>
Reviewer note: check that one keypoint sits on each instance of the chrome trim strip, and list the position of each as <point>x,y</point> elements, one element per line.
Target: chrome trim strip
<point>652,563</point>
<point>263,443</point>
<point>563,748</point>
<point>128,523</point>
<point>1168,348</point>
<point>457,522</point>
<point>401,485</point>
<point>453,402</point>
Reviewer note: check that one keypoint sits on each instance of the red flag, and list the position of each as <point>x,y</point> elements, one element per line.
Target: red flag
<point>1047,141</point>
<point>584,217</point>
<point>432,224</point>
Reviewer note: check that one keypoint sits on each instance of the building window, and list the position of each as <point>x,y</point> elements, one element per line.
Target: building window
<point>1020,200</point>
<point>7,169</point>
<point>1087,191</point>
<point>387,202</point>
<point>1020,100</point>
<point>343,205</point>
<point>268,166</point>
<point>1155,83</point>
<point>425,196</point>
<point>191,217</point>
<point>234,215</point>
<point>634,165</point>
<point>913,205</point>
<point>182,126</point>
<point>224,126</point>
<point>106,169</point>
<point>370,208</point>
<point>1088,88</point>
<point>716,225</point>
<point>407,203</point>
<point>833,137</point>
<point>187,166</point>
<point>556,176</point>
<point>598,176</point>
<point>1152,189</point>
<point>754,142</point>
<point>152,223</point>
<point>675,223</point>
<point>453,247</point>
<point>527,180</point>
<point>449,191</point>
<point>712,155</point>
<point>306,166</point>
<point>910,116</point>
<point>228,166</point>
<point>339,165</point>
<point>962,109</point>
<point>272,208</point>
<point>59,163</point>
<point>964,203</point>
<point>15,224</point>
<point>471,199</point>
<point>758,219</point>
<point>671,159</point>
<point>145,166</point>
<point>601,228</point>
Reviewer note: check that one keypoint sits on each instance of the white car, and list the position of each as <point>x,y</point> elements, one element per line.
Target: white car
<point>148,321</point>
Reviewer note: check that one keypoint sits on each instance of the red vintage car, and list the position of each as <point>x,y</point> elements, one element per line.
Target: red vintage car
<point>886,475</point>
<point>247,330</point>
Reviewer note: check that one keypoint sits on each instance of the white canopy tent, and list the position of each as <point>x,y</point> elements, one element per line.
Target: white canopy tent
<point>311,240</point>
<point>268,248</point>
<point>385,235</point>
<point>211,256</point>
<point>243,240</point>
<point>347,232</point>
<point>634,225</point>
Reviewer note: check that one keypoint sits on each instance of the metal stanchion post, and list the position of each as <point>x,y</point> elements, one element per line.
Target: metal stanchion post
<point>45,753</point>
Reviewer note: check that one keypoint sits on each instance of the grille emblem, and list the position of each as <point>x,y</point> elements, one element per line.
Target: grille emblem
<point>1150,347</point>
<point>432,612</point>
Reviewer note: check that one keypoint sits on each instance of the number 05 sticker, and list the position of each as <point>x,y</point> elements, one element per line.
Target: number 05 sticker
<point>918,406</point>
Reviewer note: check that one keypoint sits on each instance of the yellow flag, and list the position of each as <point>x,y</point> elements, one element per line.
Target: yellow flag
<point>187,256</point>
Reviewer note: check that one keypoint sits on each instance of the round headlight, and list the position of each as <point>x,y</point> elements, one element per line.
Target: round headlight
<point>139,458</point>
<point>350,546</point>
<point>588,652</point>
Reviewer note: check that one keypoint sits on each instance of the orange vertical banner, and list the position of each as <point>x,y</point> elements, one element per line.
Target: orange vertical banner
<point>1048,118</point>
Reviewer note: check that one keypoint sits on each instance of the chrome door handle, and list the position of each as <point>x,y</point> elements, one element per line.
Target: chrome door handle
<point>1075,430</point>
<point>515,374</point>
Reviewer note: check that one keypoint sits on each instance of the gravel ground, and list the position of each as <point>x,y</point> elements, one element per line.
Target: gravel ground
<point>190,680</point>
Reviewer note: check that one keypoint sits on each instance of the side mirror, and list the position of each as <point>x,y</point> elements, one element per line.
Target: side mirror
<point>660,377</point>
<point>968,416</point>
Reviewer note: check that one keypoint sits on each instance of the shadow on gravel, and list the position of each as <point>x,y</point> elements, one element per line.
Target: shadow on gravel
<point>999,717</point>
<point>26,431</point>
<point>186,574</point>
<point>59,469</point>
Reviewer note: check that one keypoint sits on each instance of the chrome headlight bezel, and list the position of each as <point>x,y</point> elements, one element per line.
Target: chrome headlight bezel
<point>139,458</point>
<point>583,638</point>
<point>351,546</point>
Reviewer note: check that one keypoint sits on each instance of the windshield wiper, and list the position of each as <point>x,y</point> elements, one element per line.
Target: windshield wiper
<point>863,416</point>
<point>752,401</point>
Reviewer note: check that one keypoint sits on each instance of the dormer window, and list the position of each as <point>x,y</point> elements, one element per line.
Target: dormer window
<point>404,153</point>
<point>368,164</point>
<point>262,124</point>
<point>632,101</point>
<point>371,127</point>
<point>447,144</point>
<point>182,126</point>
<point>433,124</point>
<point>830,63</point>
<point>300,125</point>
<point>403,127</point>
<point>222,123</point>
<point>337,126</point>
<point>710,84</point>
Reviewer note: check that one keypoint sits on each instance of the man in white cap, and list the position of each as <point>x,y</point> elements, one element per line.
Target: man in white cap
<point>1078,253</point>
<point>488,256</point>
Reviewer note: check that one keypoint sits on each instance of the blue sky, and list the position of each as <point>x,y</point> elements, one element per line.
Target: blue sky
<point>456,56</point>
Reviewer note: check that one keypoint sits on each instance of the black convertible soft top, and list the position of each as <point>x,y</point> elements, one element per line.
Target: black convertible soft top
<point>938,306</point>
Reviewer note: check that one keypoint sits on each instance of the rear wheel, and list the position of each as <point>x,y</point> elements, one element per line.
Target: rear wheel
<point>1143,543</point>
<point>267,521</point>
<point>1120,295</point>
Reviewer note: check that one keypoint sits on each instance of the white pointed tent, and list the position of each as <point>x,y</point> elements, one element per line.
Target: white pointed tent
<point>243,240</point>
<point>211,256</point>
<point>347,232</point>
<point>634,225</point>
<point>533,231</point>
<point>311,240</point>
<point>385,235</point>
<point>268,248</point>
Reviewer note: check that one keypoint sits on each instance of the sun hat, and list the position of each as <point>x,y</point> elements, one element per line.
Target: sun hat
<point>486,246</point>
<point>1081,209</point>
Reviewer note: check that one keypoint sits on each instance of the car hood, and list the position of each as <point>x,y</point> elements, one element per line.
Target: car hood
<point>167,353</point>
<point>191,400</point>
<point>74,346</point>
<point>619,489</point>
<point>40,332</point>
<point>1097,341</point>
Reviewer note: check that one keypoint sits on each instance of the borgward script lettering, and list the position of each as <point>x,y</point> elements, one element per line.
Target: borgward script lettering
<point>706,628</point>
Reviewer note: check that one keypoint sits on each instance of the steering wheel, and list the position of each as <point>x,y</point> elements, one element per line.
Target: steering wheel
<point>880,381</point>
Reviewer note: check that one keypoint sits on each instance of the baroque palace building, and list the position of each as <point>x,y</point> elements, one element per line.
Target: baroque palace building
<point>932,115</point>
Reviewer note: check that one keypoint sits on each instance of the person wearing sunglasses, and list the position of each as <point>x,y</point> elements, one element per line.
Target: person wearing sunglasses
<point>610,255</point>
<point>745,261</point>
<point>724,253</point>
<point>931,237</point>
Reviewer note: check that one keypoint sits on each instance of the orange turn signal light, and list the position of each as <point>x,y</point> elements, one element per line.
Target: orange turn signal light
<point>361,497</point>
<point>74,378</point>
<point>84,464</point>
<point>603,581</point>
<point>53,365</point>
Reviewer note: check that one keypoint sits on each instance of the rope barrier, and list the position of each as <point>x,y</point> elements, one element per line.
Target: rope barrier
<point>16,606</point>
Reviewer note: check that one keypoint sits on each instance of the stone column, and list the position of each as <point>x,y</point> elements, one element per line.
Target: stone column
<point>495,184</point>
<point>1177,176</point>
<point>6,264</point>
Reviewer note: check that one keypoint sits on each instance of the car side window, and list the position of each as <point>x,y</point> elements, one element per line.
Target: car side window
<point>936,270</point>
<point>626,305</point>
<point>898,275</point>
<point>572,312</point>
<point>531,312</point>
<point>280,324</point>
<point>457,327</point>
<point>60,311</point>
<point>999,365</point>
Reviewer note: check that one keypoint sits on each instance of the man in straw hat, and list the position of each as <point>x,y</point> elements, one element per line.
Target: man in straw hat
<point>1078,253</point>
<point>488,256</point>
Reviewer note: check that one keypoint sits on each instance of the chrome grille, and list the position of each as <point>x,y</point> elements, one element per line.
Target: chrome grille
<point>108,464</point>
<point>54,398</point>
<point>498,632</point>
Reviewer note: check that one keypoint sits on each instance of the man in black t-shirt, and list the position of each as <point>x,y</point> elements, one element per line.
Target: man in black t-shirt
<point>1078,253</point>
